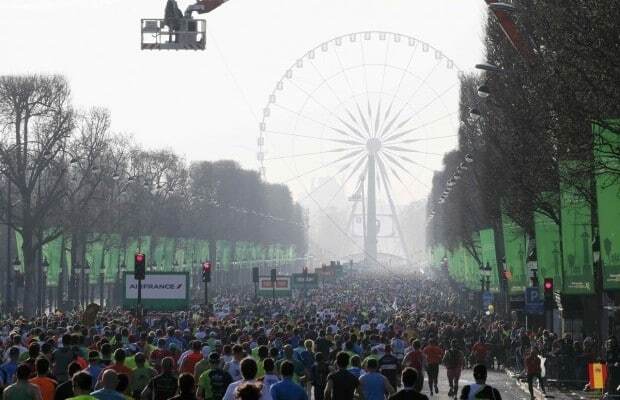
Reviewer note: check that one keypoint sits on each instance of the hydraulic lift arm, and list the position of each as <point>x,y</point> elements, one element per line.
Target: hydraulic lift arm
<point>513,34</point>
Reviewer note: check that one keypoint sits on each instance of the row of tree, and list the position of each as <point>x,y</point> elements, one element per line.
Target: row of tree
<point>540,112</point>
<point>65,173</point>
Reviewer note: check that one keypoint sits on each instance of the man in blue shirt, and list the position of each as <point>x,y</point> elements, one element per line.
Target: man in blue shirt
<point>94,368</point>
<point>287,389</point>
<point>9,368</point>
<point>109,381</point>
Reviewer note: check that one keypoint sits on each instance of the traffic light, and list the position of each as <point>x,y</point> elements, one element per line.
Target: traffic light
<point>274,273</point>
<point>206,271</point>
<point>139,266</point>
<point>548,287</point>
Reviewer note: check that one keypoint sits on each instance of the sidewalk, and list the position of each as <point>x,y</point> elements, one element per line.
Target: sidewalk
<point>553,392</point>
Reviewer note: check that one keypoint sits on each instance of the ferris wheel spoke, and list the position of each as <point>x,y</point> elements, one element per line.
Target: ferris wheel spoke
<point>433,100</point>
<point>313,170</point>
<point>402,77</point>
<point>406,171</point>
<point>342,186</point>
<point>344,72</point>
<point>406,159</point>
<point>353,129</point>
<point>395,136</point>
<point>315,153</point>
<point>401,236</point>
<point>398,148</point>
<point>364,122</point>
<point>326,82</point>
<point>415,91</point>
<point>300,115</point>
<point>341,141</point>
<point>377,118</point>
<point>425,139</point>
<point>328,180</point>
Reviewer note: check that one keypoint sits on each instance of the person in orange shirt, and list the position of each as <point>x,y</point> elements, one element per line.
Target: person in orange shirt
<point>434,355</point>
<point>46,385</point>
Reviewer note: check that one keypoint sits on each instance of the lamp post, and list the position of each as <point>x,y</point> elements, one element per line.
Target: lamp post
<point>43,289</point>
<point>101,287</point>
<point>17,276</point>
<point>120,274</point>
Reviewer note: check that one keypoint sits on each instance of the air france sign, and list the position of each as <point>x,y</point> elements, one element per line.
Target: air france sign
<point>160,291</point>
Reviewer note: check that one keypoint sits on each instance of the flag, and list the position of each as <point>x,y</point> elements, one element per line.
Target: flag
<point>597,375</point>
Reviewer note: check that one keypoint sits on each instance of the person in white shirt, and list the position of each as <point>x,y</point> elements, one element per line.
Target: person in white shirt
<point>233,367</point>
<point>249,368</point>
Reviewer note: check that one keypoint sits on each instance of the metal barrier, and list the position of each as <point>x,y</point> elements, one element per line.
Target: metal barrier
<point>190,35</point>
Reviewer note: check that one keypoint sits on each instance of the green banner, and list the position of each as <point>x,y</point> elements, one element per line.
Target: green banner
<point>608,198</point>
<point>487,243</point>
<point>515,243</point>
<point>576,239</point>
<point>548,249</point>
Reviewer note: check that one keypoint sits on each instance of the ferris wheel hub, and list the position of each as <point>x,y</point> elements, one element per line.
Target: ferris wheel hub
<point>373,145</point>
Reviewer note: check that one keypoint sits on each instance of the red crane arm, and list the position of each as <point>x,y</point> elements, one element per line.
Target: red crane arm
<point>205,6</point>
<point>514,36</point>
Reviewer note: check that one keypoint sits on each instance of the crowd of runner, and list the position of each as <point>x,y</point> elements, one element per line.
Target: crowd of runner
<point>368,336</point>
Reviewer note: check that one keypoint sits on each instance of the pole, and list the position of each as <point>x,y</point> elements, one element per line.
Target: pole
<point>9,212</point>
<point>207,295</point>
<point>371,223</point>
<point>101,284</point>
<point>139,312</point>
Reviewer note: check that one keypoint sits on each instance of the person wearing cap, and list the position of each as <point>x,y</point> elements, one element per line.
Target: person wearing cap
<point>94,367</point>
<point>213,382</point>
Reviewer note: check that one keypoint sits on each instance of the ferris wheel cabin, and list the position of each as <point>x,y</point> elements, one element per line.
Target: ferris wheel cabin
<point>188,34</point>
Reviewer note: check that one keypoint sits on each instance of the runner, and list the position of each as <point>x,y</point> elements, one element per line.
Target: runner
<point>480,390</point>
<point>434,355</point>
<point>454,361</point>
<point>374,385</point>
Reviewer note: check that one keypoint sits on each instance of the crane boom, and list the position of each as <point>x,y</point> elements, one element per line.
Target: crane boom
<point>513,34</point>
<point>204,6</point>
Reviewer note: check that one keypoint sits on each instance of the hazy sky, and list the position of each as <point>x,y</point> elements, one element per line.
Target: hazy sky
<point>207,104</point>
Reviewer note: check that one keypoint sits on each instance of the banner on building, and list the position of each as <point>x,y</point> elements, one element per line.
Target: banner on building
<point>282,286</point>
<point>576,217</point>
<point>515,243</point>
<point>161,291</point>
<point>607,145</point>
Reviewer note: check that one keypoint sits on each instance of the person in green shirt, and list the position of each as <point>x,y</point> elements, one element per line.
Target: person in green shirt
<point>141,376</point>
<point>82,384</point>
<point>213,383</point>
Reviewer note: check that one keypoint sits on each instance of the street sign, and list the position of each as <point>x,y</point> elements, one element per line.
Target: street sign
<point>487,299</point>
<point>307,281</point>
<point>282,286</point>
<point>532,295</point>
<point>534,304</point>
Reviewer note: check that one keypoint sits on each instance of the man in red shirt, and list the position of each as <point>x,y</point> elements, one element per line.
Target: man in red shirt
<point>480,351</point>
<point>189,359</point>
<point>533,370</point>
<point>433,354</point>
<point>118,366</point>
<point>417,360</point>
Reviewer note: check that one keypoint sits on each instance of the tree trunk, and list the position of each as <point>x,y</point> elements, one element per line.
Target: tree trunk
<point>29,273</point>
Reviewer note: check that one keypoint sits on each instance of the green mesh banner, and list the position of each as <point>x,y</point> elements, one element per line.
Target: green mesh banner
<point>576,239</point>
<point>94,258</point>
<point>548,248</point>
<point>52,252</point>
<point>130,252</point>
<point>112,257</point>
<point>224,255</point>
<point>608,198</point>
<point>515,243</point>
<point>487,244</point>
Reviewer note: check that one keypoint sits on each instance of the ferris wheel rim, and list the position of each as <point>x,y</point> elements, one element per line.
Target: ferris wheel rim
<point>324,46</point>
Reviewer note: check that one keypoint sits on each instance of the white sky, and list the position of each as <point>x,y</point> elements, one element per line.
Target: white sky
<point>189,101</point>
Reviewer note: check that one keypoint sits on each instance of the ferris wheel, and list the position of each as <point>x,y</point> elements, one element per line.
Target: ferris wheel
<point>358,124</point>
